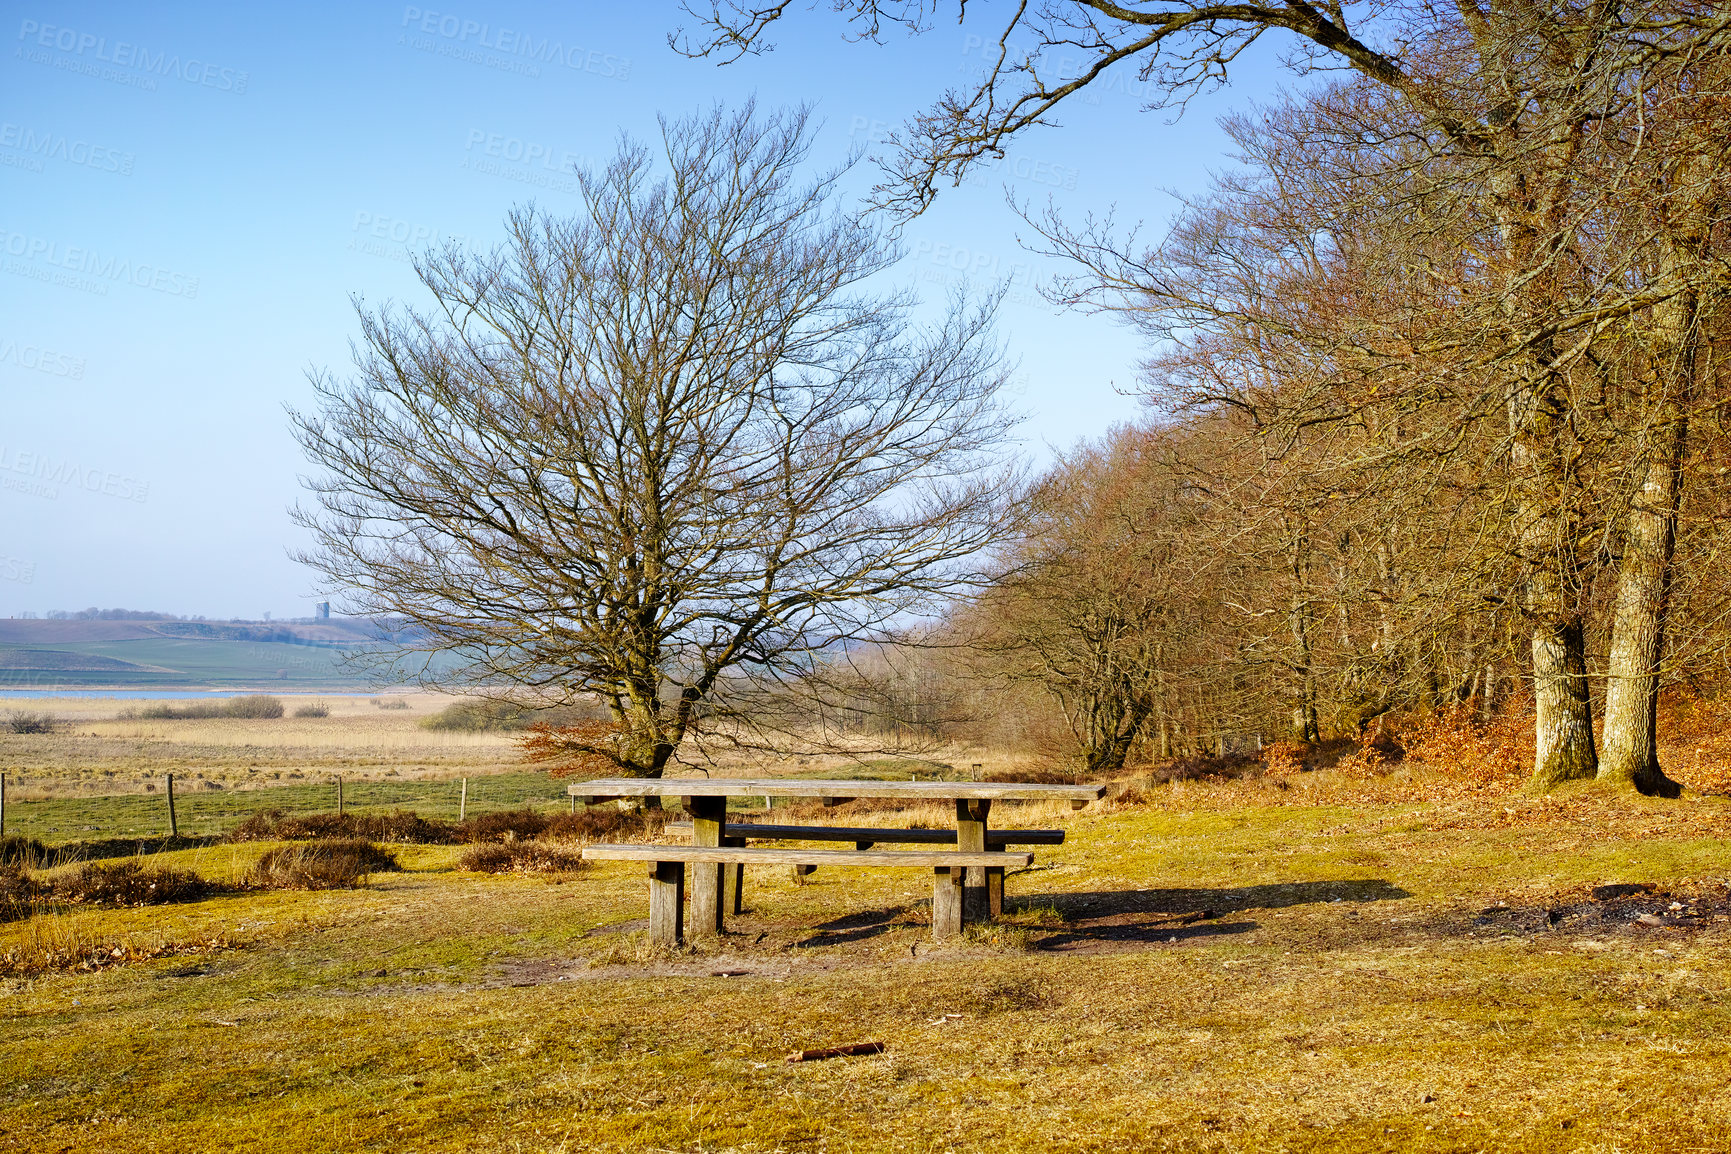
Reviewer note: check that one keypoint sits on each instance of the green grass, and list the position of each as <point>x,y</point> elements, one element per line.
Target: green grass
<point>202,662</point>
<point>203,813</point>
<point>442,1011</point>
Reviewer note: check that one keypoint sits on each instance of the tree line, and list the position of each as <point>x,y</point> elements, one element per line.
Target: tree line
<point>1434,366</point>
<point>1435,374</point>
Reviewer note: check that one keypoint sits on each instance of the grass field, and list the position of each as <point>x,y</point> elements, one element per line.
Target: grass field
<point>162,662</point>
<point>97,752</point>
<point>1306,964</point>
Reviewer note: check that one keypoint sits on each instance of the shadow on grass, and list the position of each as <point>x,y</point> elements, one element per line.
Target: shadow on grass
<point>857,927</point>
<point>1104,919</point>
<point>1108,903</point>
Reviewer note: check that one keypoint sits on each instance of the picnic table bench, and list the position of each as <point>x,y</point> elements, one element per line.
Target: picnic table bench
<point>865,837</point>
<point>968,880</point>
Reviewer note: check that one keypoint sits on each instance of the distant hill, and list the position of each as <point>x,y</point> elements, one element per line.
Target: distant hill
<point>335,631</point>
<point>63,661</point>
<point>165,653</point>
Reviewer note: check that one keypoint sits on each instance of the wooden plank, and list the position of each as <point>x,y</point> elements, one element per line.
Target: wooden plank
<point>733,878</point>
<point>762,832</point>
<point>708,897</point>
<point>605,788</point>
<point>757,855</point>
<point>946,903</point>
<point>971,816</point>
<point>666,902</point>
<point>994,886</point>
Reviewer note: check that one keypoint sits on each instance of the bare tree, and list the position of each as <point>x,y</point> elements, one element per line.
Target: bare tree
<point>664,453</point>
<point>1514,94</point>
<point>1095,604</point>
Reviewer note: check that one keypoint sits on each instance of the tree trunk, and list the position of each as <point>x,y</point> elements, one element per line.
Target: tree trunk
<point>1545,531</point>
<point>1563,749</point>
<point>1631,754</point>
<point>1304,722</point>
<point>1644,583</point>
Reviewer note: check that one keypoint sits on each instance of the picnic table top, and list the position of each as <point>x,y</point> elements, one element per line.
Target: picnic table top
<point>611,787</point>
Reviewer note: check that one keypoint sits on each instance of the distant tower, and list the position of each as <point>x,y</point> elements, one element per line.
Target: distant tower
<point>324,610</point>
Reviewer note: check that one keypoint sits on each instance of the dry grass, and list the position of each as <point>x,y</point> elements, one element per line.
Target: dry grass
<point>321,865</point>
<point>397,826</point>
<point>126,883</point>
<point>1404,959</point>
<point>94,751</point>
<point>522,857</point>
<point>1220,966</point>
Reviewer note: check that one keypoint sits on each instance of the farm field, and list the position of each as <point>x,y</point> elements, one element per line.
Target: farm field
<point>155,654</point>
<point>97,751</point>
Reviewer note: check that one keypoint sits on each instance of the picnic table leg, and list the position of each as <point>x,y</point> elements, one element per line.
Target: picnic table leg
<point>971,814</point>
<point>995,886</point>
<point>946,903</point>
<point>666,902</point>
<point>708,814</point>
<point>733,885</point>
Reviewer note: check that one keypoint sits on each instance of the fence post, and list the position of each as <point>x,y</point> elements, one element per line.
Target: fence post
<point>339,795</point>
<point>463,802</point>
<point>2,805</point>
<point>173,826</point>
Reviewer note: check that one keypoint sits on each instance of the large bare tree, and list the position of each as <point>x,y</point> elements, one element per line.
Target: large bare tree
<point>662,453</point>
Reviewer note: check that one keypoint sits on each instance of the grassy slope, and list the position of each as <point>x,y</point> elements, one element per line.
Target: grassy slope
<point>1343,983</point>
<point>201,662</point>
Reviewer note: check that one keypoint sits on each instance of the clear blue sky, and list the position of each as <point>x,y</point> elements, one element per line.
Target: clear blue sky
<point>192,194</point>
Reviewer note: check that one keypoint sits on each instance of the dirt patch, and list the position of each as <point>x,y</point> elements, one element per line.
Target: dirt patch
<point>1626,910</point>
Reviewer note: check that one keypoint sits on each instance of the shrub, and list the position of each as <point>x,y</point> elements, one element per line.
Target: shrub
<point>324,865</point>
<point>1470,753</point>
<point>471,715</point>
<point>1038,776</point>
<point>520,857</point>
<point>254,705</point>
<point>1283,758</point>
<point>1203,767</point>
<point>484,715</point>
<point>597,823</point>
<point>316,709</point>
<point>397,826</point>
<point>128,883</point>
<point>507,825</point>
<point>389,703</point>
<point>20,722</point>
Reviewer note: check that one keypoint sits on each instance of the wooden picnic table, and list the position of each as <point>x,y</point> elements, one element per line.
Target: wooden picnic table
<point>706,801</point>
